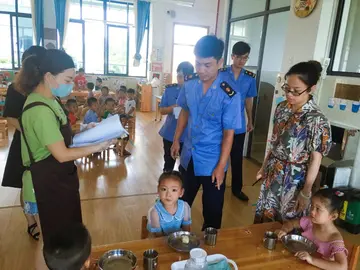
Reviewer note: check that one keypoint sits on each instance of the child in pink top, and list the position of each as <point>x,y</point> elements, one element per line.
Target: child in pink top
<point>319,227</point>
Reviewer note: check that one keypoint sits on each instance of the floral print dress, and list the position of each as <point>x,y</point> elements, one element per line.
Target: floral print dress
<point>295,136</point>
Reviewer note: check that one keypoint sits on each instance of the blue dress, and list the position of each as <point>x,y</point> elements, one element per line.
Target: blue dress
<point>161,221</point>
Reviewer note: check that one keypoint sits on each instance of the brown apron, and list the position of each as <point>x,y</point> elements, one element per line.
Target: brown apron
<point>56,185</point>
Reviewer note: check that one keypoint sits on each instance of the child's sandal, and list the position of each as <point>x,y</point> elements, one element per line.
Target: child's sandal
<point>30,231</point>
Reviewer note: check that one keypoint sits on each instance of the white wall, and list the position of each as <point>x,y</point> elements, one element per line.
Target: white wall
<point>202,14</point>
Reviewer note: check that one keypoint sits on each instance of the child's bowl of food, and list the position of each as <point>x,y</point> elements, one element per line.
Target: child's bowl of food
<point>183,241</point>
<point>118,259</point>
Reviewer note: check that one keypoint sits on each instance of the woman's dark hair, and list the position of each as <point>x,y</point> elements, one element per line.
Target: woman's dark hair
<point>209,46</point>
<point>35,67</point>
<point>176,175</point>
<point>308,72</point>
<point>186,68</point>
<point>332,198</point>
<point>33,50</point>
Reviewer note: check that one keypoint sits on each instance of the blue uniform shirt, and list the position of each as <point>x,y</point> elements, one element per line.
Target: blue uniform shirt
<point>245,85</point>
<point>168,99</point>
<point>209,116</point>
<point>91,117</point>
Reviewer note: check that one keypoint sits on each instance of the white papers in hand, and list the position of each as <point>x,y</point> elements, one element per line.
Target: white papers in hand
<point>176,112</point>
<point>108,129</point>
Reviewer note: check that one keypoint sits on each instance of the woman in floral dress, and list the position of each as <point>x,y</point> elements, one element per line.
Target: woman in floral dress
<point>301,137</point>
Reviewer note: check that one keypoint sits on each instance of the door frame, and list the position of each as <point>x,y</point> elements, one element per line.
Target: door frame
<point>266,13</point>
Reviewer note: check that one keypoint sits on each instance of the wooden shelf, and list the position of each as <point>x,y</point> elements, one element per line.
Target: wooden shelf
<point>144,97</point>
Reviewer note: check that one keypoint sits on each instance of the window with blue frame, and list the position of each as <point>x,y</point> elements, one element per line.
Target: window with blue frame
<point>16,32</point>
<point>101,38</point>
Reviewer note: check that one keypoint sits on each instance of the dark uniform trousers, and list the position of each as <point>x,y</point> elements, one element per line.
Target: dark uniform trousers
<point>169,162</point>
<point>236,157</point>
<point>212,198</point>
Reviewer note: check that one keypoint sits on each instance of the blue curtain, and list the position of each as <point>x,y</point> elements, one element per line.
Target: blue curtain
<point>60,9</point>
<point>143,12</point>
<point>39,21</point>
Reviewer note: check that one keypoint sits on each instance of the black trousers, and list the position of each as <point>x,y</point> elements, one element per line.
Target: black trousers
<point>236,157</point>
<point>169,162</point>
<point>212,198</point>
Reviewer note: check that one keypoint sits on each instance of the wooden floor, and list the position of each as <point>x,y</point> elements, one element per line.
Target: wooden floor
<point>115,193</point>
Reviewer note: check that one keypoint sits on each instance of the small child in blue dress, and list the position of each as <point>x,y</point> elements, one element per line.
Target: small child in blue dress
<point>169,214</point>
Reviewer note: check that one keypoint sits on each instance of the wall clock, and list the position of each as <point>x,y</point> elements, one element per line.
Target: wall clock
<point>303,8</point>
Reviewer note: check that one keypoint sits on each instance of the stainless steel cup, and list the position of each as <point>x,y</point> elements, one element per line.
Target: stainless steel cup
<point>270,239</point>
<point>210,235</point>
<point>150,259</point>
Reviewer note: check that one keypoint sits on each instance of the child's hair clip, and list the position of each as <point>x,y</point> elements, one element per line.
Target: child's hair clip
<point>339,193</point>
<point>324,187</point>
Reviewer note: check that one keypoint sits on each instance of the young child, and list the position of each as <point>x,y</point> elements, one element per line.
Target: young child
<point>80,80</point>
<point>130,103</point>
<point>169,214</point>
<point>91,115</point>
<point>90,88</point>
<point>72,108</point>
<point>98,84</point>
<point>121,98</point>
<point>319,227</point>
<point>104,95</point>
<point>69,249</point>
<point>109,108</point>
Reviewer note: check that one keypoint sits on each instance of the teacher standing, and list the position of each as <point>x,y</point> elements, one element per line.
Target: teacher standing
<point>301,137</point>
<point>45,140</point>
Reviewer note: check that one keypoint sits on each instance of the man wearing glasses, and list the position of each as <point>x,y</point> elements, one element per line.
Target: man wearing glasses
<point>243,82</point>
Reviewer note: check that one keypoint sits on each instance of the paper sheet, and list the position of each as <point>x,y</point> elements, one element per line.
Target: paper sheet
<point>176,112</point>
<point>106,130</point>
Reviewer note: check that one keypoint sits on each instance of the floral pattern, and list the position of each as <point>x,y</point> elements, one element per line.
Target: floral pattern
<point>295,136</point>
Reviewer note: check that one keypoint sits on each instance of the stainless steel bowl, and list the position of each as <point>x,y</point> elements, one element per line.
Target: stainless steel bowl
<point>175,241</point>
<point>295,243</point>
<point>119,259</point>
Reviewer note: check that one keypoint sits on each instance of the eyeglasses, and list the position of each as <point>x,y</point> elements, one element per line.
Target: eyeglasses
<point>242,58</point>
<point>286,88</point>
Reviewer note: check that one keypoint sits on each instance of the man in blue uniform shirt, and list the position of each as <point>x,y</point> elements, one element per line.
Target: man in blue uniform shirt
<point>244,83</point>
<point>210,109</point>
<point>167,105</point>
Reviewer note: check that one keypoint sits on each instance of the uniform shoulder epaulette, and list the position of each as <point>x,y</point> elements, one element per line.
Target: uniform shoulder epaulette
<point>171,85</point>
<point>191,77</point>
<point>249,73</point>
<point>227,89</point>
<point>223,69</point>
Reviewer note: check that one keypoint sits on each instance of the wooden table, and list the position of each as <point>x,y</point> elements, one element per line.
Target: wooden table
<point>243,245</point>
<point>158,114</point>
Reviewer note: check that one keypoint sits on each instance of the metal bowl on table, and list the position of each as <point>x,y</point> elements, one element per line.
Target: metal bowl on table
<point>118,259</point>
<point>295,243</point>
<point>183,241</point>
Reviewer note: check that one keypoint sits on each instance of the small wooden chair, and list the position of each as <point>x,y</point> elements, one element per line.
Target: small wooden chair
<point>130,128</point>
<point>144,231</point>
<point>353,256</point>
<point>4,129</point>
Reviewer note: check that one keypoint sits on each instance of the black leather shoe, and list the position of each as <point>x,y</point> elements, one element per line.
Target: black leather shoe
<point>241,196</point>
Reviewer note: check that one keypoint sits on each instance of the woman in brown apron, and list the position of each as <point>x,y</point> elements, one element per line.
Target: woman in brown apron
<point>46,136</point>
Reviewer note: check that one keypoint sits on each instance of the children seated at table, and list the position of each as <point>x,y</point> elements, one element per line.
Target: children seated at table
<point>319,227</point>
<point>91,115</point>
<point>104,95</point>
<point>90,88</point>
<point>109,108</point>
<point>69,249</point>
<point>80,80</point>
<point>169,214</point>
<point>72,108</point>
<point>98,84</point>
